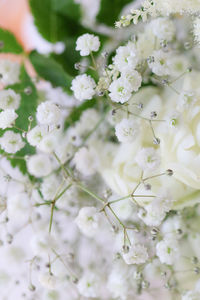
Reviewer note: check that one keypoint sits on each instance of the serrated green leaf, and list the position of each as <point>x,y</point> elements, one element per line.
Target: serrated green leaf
<point>68,8</point>
<point>110,11</point>
<point>28,106</point>
<point>10,44</point>
<point>49,69</point>
<point>77,112</point>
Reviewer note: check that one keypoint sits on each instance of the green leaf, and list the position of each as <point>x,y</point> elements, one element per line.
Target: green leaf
<point>68,8</point>
<point>110,11</point>
<point>69,57</point>
<point>77,112</point>
<point>28,106</point>
<point>10,44</point>
<point>49,69</point>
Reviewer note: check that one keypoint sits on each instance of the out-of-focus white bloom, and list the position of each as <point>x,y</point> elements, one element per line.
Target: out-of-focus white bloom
<point>18,206</point>
<point>49,281</point>
<point>159,63</point>
<point>86,161</point>
<point>88,285</point>
<point>191,295</point>
<point>137,254</point>
<point>186,100</point>
<point>9,71</point>
<point>134,78</point>
<point>197,29</point>
<point>88,221</point>
<point>117,284</point>
<point>173,227</point>
<point>83,87</point>
<point>126,130</point>
<point>43,243</point>
<point>167,251</point>
<point>9,99</point>
<point>163,28</point>
<point>120,90</point>
<point>48,113</point>
<point>49,186</point>
<point>156,210</point>
<point>48,143</point>
<point>11,142</point>
<point>148,159</point>
<point>39,165</point>
<point>87,43</point>
<point>35,135</point>
<point>126,57</point>
<point>7,118</point>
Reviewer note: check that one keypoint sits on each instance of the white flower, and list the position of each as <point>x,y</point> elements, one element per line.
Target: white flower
<point>126,130</point>
<point>83,87</point>
<point>163,28</point>
<point>148,159</point>
<point>88,285</point>
<point>39,165</point>
<point>49,143</point>
<point>186,100</point>
<point>191,295</point>
<point>117,284</point>
<point>87,43</point>
<point>126,57</point>
<point>9,99</point>
<point>11,142</point>
<point>159,63</point>
<point>18,206</point>
<point>9,71</point>
<point>137,254</point>
<point>156,210</point>
<point>134,78</point>
<point>197,29</point>
<point>86,161</point>
<point>167,251</point>
<point>49,186</point>
<point>120,90</point>
<point>88,221</point>
<point>49,281</point>
<point>35,135</point>
<point>48,113</point>
<point>7,118</point>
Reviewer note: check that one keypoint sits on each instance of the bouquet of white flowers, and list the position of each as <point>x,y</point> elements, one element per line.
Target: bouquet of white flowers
<point>100,153</point>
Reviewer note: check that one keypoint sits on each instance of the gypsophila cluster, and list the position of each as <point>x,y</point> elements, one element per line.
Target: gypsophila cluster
<point>100,178</point>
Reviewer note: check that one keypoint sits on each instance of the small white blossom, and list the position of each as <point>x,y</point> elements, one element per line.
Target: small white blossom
<point>148,159</point>
<point>160,63</point>
<point>197,29</point>
<point>7,118</point>
<point>11,142</point>
<point>88,285</point>
<point>167,251</point>
<point>9,71</point>
<point>191,295</point>
<point>39,165</point>
<point>134,78</point>
<point>120,90</point>
<point>49,143</point>
<point>186,100</point>
<point>137,254</point>
<point>86,161</point>
<point>83,87</point>
<point>126,130</point>
<point>48,113</point>
<point>163,28</point>
<point>87,43</point>
<point>9,99</point>
<point>88,221</point>
<point>49,186</point>
<point>126,57</point>
<point>49,281</point>
<point>35,135</point>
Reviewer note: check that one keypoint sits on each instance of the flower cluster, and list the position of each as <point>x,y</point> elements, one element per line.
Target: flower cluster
<point>100,190</point>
